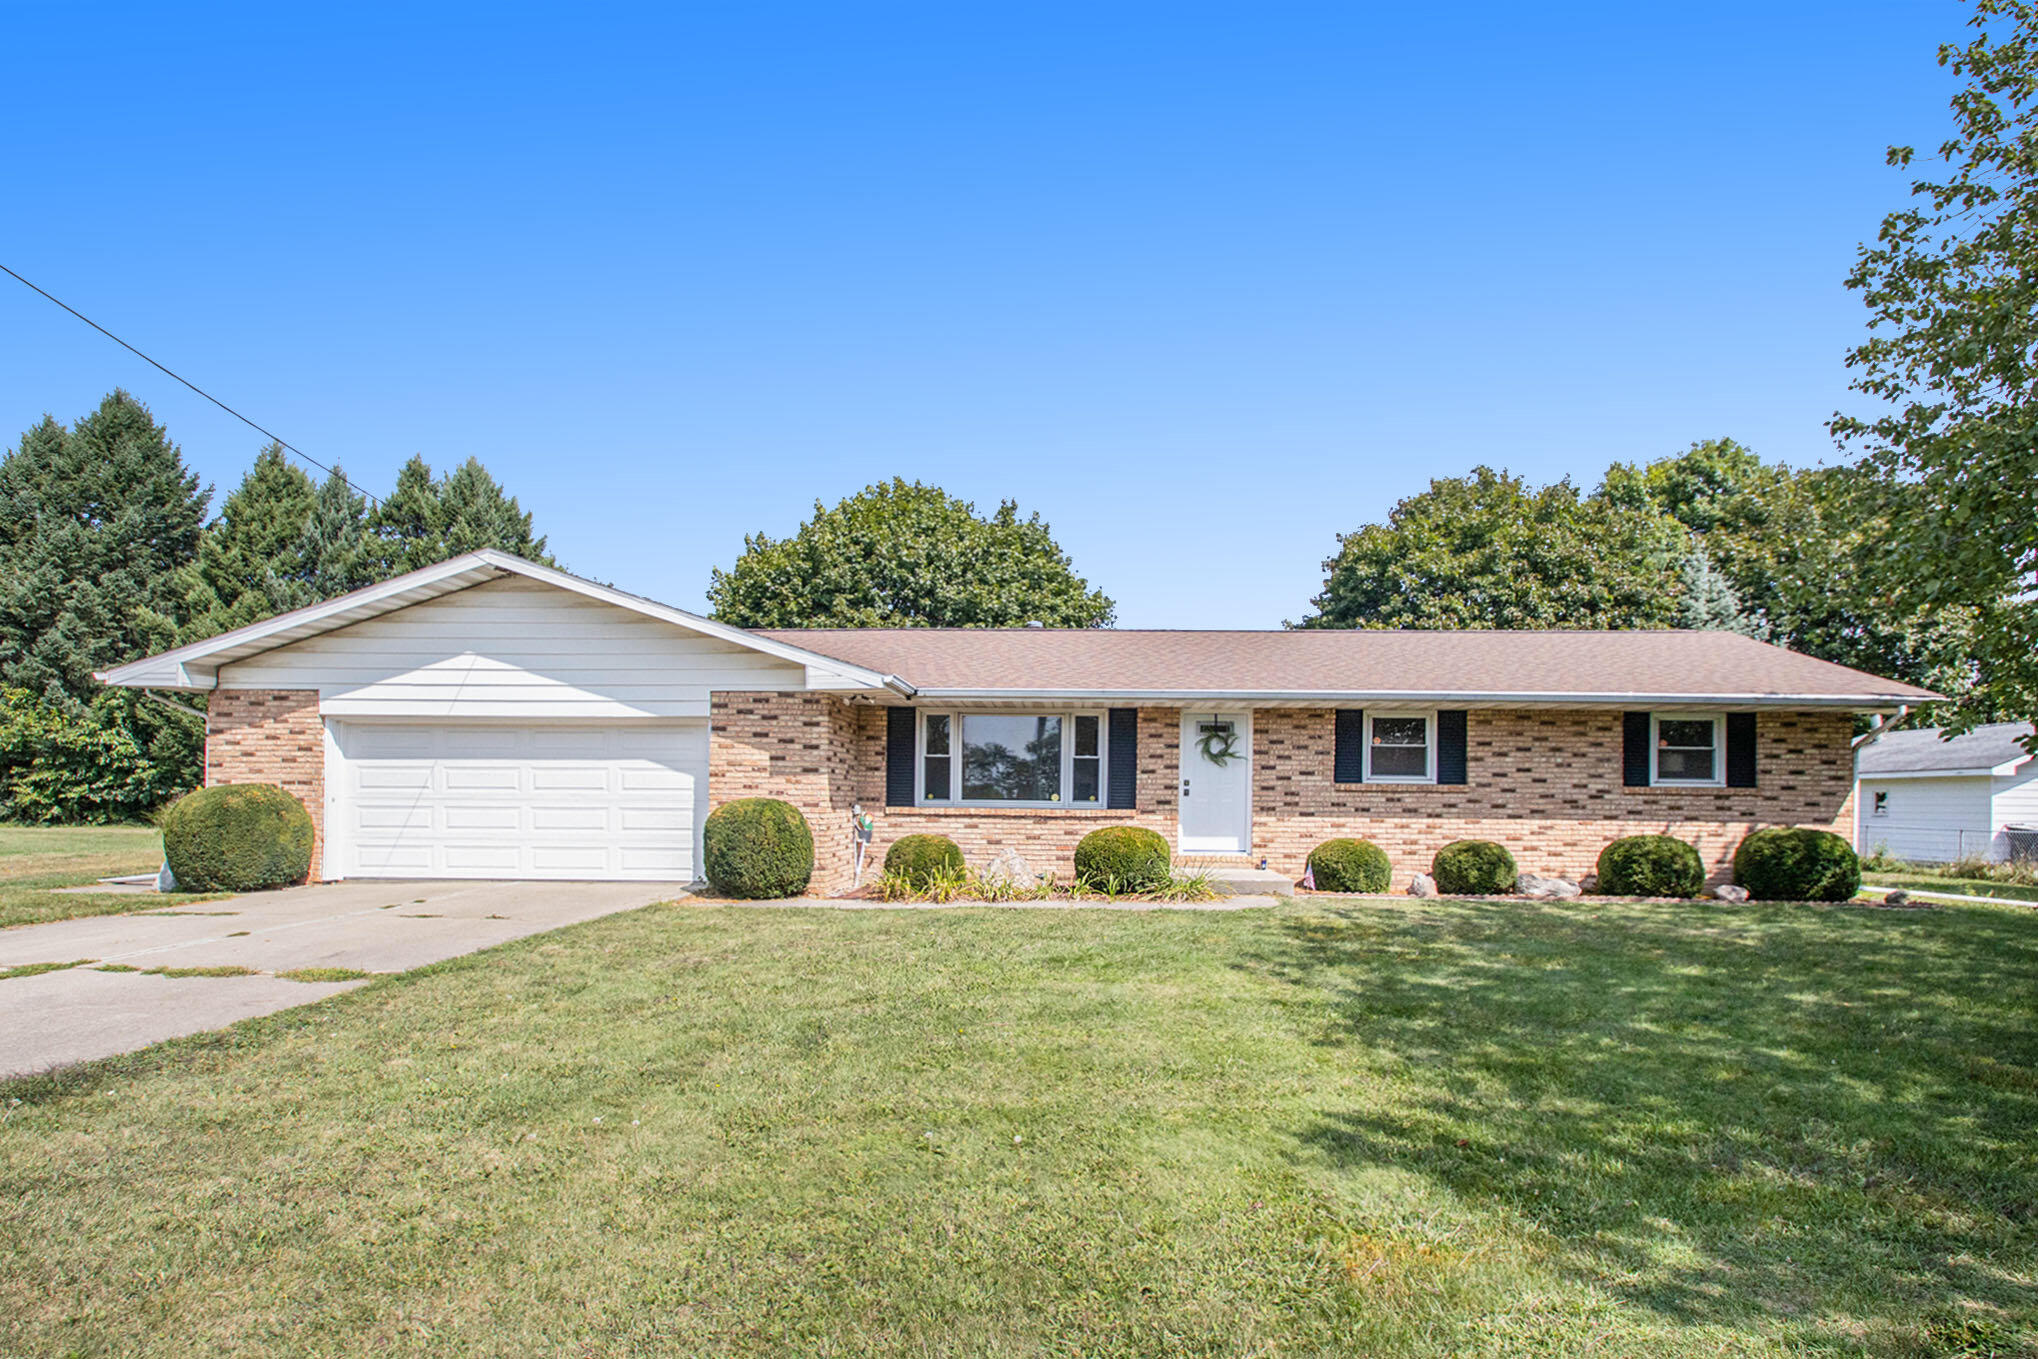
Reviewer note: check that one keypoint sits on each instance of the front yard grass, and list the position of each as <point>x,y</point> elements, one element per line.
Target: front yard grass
<point>35,860</point>
<point>1381,1128</point>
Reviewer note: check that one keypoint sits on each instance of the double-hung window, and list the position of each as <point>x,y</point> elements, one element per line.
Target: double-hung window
<point>1033,759</point>
<point>1687,749</point>
<point>1400,747</point>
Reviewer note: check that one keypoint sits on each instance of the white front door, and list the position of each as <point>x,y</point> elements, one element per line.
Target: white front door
<point>1217,782</point>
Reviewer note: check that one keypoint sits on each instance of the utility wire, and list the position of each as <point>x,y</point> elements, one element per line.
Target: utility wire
<point>274,438</point>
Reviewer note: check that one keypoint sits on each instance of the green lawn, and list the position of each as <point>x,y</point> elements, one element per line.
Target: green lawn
<point>35,859</point>
<point>1973,887</point>
<point>1389,1128</point>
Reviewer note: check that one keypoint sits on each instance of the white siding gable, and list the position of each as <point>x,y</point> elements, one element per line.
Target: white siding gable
<point>513,647</point>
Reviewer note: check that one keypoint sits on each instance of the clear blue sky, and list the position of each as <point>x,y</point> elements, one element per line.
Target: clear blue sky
<point>1204,285</point>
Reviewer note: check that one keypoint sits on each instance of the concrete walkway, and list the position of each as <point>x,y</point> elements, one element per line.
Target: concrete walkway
<point>56,1018</point>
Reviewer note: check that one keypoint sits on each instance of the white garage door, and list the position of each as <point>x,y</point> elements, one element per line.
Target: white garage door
<point>446,800</point>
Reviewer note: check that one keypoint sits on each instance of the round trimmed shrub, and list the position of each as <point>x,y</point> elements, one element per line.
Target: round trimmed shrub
<point>1651,866</point>
<point>237,837</point>
<point>918,858</point>
<point>1785,863</point>
<point>1137,857</point>
<point>757,848</point>
<point>1350,866</point>
<point>1473,868</point>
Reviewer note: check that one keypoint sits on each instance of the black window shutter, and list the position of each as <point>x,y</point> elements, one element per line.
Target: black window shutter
<point>1634,760</point>
<point>1740,750</point>
<point>1451,745</point>
<point>1348,757</point>
<point>1123,792</point>
<point>899,744</point>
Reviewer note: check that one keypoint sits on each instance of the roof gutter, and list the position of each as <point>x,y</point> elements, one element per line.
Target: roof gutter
<point>1848,702</point>
<point>899,686</point>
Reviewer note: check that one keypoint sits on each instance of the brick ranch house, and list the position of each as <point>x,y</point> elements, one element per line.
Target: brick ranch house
<point>490,718</point>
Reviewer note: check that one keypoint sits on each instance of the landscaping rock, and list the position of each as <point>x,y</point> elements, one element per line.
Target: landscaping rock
<point>1547,889</point>
<point>1897,898</point>
<point>1423,885</point>
<point>1726,891</point>
<point>1588,884</point>
<point>1009,866</point>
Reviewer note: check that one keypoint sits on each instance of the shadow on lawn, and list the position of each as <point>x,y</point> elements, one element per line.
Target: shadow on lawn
<point>1822,1114</point>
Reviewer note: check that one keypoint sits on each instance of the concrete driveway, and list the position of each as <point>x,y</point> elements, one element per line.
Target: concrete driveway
<point>80,1013</point>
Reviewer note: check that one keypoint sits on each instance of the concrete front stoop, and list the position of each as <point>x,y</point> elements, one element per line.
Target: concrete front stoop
<point>1245,881</point>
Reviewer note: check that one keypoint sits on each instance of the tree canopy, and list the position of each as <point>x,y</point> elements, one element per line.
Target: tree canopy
<point>900,554</point>
<point>96,523</point>
<point>427,519</point>
<point>1489,551</point>
<point>1951,366</point>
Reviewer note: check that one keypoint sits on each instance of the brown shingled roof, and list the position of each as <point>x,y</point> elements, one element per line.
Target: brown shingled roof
<point>1464,665</point>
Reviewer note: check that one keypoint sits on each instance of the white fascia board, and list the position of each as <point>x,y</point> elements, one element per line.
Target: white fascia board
<point>196,666</point>
<point>1901,775</point>
<point>1849,702</point>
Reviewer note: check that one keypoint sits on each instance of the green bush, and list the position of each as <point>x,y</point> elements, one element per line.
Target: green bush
<point>757,848</point>
<point>1785,863</point>
<point>1473,868</point>
<point>1350,866</point>
<point>118,759</point>
<point>1135,857</point>
<point>1651,866</point>
<point>921,858</point>
<point>237,837</point>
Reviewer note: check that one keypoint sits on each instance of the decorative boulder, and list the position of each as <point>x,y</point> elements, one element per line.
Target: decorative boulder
<point>1009,866</point>
<point>1538,888</point>
<point>1726,891</point>
<point>1897,898</point>
<point>1588,884</point>
<point>1422,885</point>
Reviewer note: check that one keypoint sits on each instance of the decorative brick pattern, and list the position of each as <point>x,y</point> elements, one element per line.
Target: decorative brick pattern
<point>271,736</point>
<point>800,748</point>
<point>1545,784</point>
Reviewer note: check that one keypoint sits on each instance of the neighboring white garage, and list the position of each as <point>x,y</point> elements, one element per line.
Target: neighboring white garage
<point>502,800</point>
<point>491,718</point>
<point>1933,800</point>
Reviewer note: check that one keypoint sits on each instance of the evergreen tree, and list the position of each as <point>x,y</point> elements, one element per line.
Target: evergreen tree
<point>1706,600</point>
<point>334,554</point>
<point>95,526</point>
<point>474,513</point>
<point>250,563</point>
<point>426,520</point>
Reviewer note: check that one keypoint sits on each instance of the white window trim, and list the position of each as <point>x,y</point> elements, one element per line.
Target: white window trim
<point>1429,717</point>
<point>1068,717</point>
<point>1719,750</point>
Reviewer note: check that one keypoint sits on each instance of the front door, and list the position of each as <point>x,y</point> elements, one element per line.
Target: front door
<point>1216,782</point>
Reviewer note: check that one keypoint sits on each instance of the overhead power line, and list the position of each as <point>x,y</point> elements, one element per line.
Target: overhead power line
<point>273,437</point>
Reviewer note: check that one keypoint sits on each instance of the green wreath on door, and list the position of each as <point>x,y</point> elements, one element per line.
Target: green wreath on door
<point>1219,744</point>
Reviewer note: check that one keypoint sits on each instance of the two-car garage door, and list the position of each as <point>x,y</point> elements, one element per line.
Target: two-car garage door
<point>495,800</point>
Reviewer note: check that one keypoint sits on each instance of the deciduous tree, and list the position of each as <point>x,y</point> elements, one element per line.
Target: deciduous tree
<point>900,554</point>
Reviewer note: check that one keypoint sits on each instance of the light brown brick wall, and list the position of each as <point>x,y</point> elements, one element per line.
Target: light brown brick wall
<point>798,748</point>
<point>1545,784</point>
<point>271,736</point>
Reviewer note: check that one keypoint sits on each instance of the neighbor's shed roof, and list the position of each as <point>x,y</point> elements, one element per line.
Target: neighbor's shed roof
<point>1544,668</point>
<point>1993,749</point>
